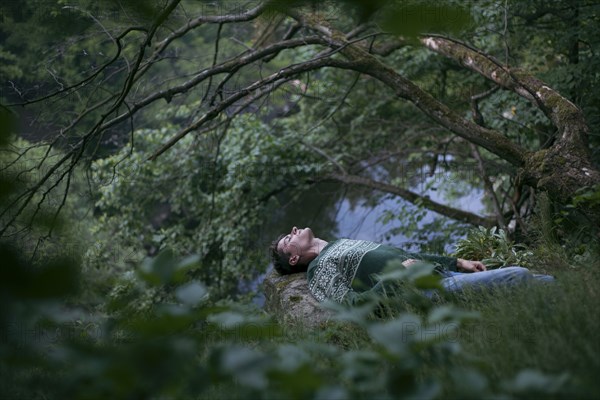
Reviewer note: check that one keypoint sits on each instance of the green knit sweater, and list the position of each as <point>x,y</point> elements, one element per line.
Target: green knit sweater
<point>346,267</point>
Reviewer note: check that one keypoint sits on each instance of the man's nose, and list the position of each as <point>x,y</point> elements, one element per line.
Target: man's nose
<point>294,230</point>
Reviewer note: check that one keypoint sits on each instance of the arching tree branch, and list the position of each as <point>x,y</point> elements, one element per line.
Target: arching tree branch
<point>360,60</point>
<point>565,115</point>
<point>454,213</point>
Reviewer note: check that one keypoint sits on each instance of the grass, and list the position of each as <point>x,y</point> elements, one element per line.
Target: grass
<point>552,328</point>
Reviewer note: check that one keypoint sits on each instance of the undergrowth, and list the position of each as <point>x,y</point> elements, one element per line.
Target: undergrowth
<point>550,328</point>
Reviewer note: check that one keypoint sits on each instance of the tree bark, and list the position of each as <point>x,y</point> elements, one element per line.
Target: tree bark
<point>565,167</point>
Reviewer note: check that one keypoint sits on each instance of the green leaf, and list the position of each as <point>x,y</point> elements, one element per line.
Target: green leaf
<point>331,393</point>
<point>530,380</point>
<point>191,293</point>
<point>351,313</point>
<point>395,335</point>
<point>158,270</point>
<point>469,381</point>
<point>247,366</point>
<point>292,357</point>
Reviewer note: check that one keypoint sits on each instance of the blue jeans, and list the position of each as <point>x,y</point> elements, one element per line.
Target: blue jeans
<point>503,277</point>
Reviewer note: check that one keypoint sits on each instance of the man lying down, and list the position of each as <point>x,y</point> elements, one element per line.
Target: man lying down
<point>340,269</point>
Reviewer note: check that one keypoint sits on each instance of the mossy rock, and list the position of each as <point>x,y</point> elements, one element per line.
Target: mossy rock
<point>288,299</point>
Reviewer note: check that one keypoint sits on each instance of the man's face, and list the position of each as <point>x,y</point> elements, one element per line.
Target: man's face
<point>296,243</point>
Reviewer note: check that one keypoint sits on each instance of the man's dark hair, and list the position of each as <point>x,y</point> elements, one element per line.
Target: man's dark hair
<point>280,259</point>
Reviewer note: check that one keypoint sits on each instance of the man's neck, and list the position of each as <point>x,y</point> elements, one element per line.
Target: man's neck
<point>315,248</point>
<point>318,245</point>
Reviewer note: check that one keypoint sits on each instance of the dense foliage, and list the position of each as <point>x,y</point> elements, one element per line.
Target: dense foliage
<point>198,200</point>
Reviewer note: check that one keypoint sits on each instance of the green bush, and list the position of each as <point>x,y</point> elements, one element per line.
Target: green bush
<point>494,248</point>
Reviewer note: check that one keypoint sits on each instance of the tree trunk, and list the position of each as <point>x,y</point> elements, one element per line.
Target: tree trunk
<point>565,167</point>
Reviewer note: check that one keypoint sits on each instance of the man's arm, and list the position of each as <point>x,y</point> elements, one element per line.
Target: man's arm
<point>449,263</point>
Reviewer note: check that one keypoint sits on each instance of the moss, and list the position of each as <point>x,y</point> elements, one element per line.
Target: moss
<point>295,299</point>
<point>537,159</point>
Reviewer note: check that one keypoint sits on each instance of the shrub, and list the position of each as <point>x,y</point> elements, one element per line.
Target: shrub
<point>494,248</point>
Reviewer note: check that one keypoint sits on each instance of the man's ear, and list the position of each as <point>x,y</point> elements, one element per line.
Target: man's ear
<point>294,259</point>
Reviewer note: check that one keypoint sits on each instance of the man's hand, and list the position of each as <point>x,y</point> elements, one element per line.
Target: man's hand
<point>409,262</point>
<point>469,266</point>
